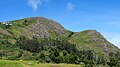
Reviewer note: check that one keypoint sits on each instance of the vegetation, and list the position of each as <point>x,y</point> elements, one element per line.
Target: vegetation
<point>6,63</point>
<point>47,50</point>
<point>114,59</point>
<point>45,41</point>
<point>21,63</point>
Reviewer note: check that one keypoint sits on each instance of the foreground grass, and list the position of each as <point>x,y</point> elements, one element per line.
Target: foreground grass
<point>8,63</point>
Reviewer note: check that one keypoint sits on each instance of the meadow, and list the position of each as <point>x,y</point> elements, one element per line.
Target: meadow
<point>21,63</point>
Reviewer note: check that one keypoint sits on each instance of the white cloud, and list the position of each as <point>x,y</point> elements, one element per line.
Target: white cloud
<point>35,3</point>
<point>70,6</point>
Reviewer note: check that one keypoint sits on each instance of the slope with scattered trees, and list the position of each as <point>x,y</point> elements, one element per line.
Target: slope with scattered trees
<point>42,39</point>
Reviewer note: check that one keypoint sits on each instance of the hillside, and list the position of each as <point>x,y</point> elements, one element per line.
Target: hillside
<point>33,27</point>
<point>39,27</point>
<point>44,28</point>
<point>93,40</point>
<point>36,26</point>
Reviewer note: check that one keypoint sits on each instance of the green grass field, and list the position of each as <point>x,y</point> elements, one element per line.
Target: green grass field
<point>8,63</point>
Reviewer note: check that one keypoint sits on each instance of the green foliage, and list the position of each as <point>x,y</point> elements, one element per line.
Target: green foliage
<point>57,51</point>
<point>23,22</point>
<point>26,55</point>
<point>5,45</point>
<point>114,59</point>
<point>48,50</point>
<point>23,40</point>
<point>6,26</point>
<point>71,33</point>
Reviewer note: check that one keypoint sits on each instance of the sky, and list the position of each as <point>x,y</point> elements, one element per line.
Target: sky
<point>74,15</point>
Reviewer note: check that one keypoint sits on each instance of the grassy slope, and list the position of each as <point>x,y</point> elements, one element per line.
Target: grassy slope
<point>88,39</point>
<point>7,63</point>
<point>34,26</point>
<point>91,39</point>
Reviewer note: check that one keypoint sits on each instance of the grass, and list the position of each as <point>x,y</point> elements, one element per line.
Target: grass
<point>8,63</point>
<point>56,65</point>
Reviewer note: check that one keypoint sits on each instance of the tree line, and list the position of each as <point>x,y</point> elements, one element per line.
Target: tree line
<point>48,50</point>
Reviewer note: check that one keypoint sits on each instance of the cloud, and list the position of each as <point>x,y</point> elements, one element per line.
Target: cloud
<point>35,3</point>
<point>70,6</point>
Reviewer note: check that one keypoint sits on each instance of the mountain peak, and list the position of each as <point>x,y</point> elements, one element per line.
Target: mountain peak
<point>40,27</point>
<point>34,26</point>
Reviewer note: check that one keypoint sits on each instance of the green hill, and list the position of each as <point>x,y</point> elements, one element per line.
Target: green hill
<point>19,32</point>
<point>93,40</point>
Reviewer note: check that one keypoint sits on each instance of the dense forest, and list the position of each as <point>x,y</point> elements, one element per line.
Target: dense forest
<point>48,50</point>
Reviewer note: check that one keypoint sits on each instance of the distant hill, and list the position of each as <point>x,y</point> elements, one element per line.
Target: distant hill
<point>39,27</point>
<point>93,40</point>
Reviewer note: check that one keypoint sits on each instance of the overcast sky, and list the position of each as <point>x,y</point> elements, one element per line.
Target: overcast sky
<point>74,15</point>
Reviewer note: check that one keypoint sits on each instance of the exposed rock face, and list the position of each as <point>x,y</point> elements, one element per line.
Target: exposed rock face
<point>93,32</point>
<point>2,31</point>
<point>34,27</point>
<point>91,39</point>
<point>44,28</point>
<point>39,30</point>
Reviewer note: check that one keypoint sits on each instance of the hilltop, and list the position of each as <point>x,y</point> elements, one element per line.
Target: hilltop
<point>42,28</point>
